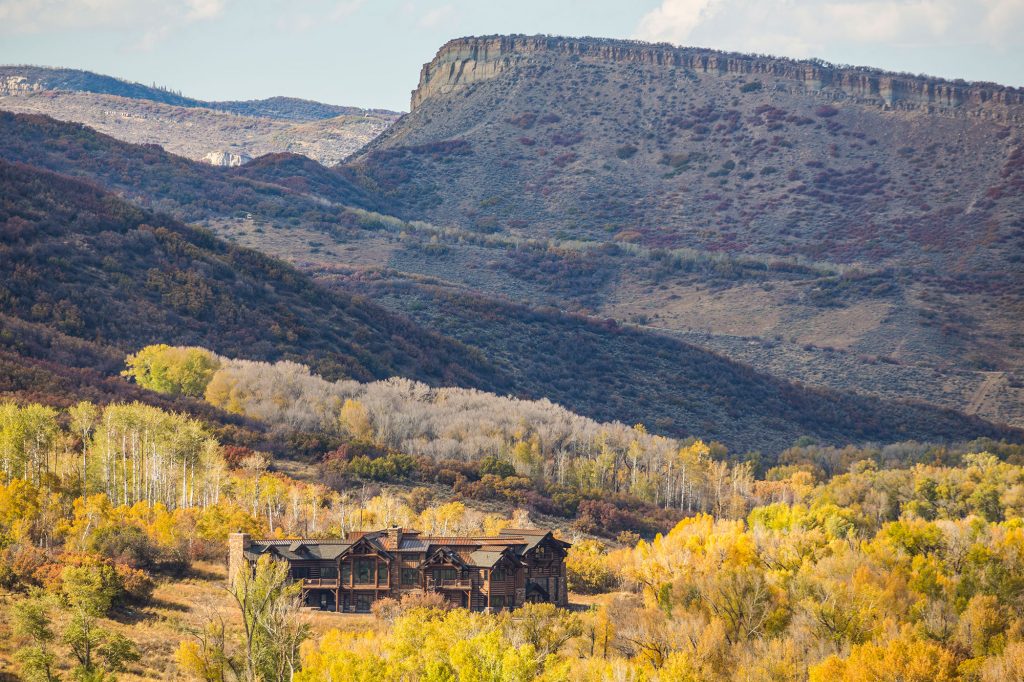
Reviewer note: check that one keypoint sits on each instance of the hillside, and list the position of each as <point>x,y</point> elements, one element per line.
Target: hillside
<point>611,372</point>
<point>622,376</point>
<point>187,189</point>
<point>189,127</point>
<point>796,203</point>
<point>79,261</point>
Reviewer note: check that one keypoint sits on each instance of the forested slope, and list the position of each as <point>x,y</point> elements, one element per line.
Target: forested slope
<point>83,262</point>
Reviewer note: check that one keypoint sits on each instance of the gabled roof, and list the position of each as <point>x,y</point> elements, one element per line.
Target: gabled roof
<point>470,551</point>
<point>370,541</point>
<point>298,550</point>
<point>487,558</point>
<point>445,554</point>
<point>533,537</point>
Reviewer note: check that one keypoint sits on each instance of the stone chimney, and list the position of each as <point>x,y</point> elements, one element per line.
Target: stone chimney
<point>237,544</point>
<point>394,534</point>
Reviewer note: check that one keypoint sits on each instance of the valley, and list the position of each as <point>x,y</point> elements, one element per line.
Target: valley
<point>608,361</point>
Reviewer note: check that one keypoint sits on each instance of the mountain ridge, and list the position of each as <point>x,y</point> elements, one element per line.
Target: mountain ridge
<point>26,78</point>
<point>468,59</point>
<point>668,196</point>
<point>197,129</point>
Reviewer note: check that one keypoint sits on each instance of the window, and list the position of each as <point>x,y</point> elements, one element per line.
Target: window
<point>445,574</point>
<point>497,574</point>
<point>329,572</point>
<point>364,571</point>
<point>382,573</point>
<point>410,577</point>
<point>299,572</point>
<point>497,601</point>
<point>362,602</point>
<point>346,573</point>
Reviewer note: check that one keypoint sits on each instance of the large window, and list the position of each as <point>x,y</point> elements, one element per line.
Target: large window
<point>364,571</point>
<point>410,577</point>
<point>330,572</point>
<point>363,602</point>
<point>445,574</point>
<point>382,573</point>
<point>346,574</point>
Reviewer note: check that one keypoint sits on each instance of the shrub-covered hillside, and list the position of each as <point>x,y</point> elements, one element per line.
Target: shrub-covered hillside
<point>87,265</point>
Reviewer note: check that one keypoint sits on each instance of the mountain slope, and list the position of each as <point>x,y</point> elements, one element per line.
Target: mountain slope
<point>610,372</point>
<point>92,266</point>
<point>878,215</point>
<point>163,181</point>
<point>79,260</point>
<point>193,128</point>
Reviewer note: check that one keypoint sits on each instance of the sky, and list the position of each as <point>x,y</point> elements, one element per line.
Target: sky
<point>368,53</point>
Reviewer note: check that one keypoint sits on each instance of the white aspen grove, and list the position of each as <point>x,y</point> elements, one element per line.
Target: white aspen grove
<point>132,452</point>
<point>147,454</point>
<point>542,441</point>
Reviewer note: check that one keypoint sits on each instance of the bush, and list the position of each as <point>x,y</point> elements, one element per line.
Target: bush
<point>391,467</point>
<point>587,569</point>
<point>124,544</point>
<point>496,467</point>
<point>389,609</point>
<point>627,151</point>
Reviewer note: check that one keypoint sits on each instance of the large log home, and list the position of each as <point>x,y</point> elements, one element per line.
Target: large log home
<point>478,573</point>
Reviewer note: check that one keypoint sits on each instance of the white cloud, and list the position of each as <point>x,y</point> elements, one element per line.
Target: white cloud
<point>151,20</point>
<point>803,28</point>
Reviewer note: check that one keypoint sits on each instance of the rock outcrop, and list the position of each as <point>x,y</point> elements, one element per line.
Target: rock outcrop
<point>17,85</point>
<point>226,159</point>
<point>463,61</point>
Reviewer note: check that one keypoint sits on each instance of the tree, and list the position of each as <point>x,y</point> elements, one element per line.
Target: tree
<point>83,421</point>
<point>208,655</point>
<point>32,627</point>
<point>269,606</point>
<point>545,628</point>
<point>174,370</point>
<point>355,421</point>
<point>587,568</point>
<point>90,590</point>
<point>904,658</point>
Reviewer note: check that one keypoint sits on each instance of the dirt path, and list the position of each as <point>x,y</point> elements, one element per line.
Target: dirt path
<point>990,385</point>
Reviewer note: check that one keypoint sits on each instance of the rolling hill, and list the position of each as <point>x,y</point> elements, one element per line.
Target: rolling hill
<point>193,128</point>
<point>79,261</point>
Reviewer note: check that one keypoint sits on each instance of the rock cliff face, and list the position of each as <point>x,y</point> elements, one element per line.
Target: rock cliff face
<point>464,61</point>
<point>17,85</point>
<point>226,159</point>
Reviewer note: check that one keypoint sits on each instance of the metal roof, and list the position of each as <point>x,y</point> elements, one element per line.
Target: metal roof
<point>480,551</point>
<point>298,550</point>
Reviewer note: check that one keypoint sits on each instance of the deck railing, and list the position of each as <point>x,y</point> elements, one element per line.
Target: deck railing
<point>450,584</point>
